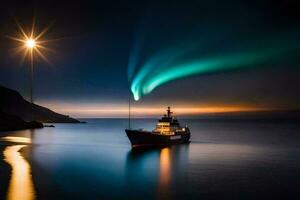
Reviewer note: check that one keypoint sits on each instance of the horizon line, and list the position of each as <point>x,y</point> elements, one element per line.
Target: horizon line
<point>122,111</point>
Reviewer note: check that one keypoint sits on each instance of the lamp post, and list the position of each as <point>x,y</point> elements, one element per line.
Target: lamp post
<point>31,45</point>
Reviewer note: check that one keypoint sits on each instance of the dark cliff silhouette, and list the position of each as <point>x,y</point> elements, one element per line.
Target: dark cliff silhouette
<point>15,109</point>
<point>10,122</point>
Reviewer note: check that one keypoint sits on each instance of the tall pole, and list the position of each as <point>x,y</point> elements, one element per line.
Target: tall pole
<point>31,42</point>
<point>31,76</point>
<point>129,114</point>
<point>31,84</point>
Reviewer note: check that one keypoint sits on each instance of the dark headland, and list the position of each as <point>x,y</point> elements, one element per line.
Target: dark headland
<point>16,113</point>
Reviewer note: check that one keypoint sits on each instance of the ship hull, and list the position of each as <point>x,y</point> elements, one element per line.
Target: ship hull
<point>139,138</point>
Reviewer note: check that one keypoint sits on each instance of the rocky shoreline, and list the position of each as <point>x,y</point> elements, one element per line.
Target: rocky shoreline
<point>16,113</point>
<point>11,123</point>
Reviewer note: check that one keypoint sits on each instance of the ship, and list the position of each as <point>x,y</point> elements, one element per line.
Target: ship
<point>167,132</point>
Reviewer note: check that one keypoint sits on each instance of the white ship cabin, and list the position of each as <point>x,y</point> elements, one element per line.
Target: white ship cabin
<point>168,125</point>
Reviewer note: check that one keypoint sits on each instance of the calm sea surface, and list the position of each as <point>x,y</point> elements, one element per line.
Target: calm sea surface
<point>95,161</point>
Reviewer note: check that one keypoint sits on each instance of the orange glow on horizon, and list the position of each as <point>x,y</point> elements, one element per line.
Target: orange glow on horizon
<point>121,110</point>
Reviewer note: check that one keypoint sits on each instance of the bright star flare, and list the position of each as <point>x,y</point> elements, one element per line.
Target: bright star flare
<point>31,42</point>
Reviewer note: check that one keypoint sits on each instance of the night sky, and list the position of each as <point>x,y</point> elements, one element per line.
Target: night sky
<point>91,71</point>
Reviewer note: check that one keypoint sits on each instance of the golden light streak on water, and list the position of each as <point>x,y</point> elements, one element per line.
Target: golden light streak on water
<point>21,184</point>
<point>165,166</point>
<point>16,139</point>
<point>164,174</point>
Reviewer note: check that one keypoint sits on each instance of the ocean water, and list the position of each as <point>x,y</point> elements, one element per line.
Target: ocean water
<point>225,160</point>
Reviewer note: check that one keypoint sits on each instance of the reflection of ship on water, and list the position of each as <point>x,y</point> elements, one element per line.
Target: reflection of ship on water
<point>164,181</point>
<point>167,132</point>
<point>168,164</point>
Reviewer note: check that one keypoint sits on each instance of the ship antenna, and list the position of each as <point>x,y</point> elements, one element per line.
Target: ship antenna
<point>169,111</point>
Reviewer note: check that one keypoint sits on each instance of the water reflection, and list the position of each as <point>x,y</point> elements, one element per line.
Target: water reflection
<point>163,189</point>
<point>224,161</point>
<point>20,185</point>
<point>165,165</point>
<point>15,139</point>
<point>143,165</point>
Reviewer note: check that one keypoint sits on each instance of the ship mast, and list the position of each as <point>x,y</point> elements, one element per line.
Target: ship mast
<point>169,113</point>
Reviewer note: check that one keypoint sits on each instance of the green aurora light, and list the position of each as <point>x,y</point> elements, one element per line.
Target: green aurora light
<point>153,73</point>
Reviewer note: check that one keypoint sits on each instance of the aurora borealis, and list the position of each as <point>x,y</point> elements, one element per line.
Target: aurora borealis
<point>154,74</point>
<point>197,53</point>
